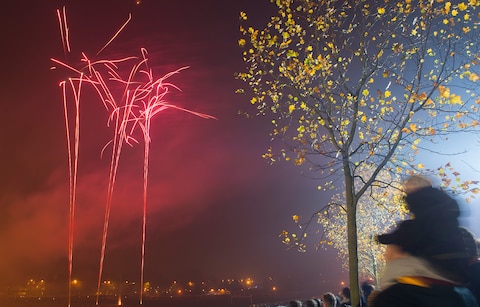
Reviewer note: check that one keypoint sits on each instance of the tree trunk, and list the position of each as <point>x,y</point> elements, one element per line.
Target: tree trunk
<point>352,237</point>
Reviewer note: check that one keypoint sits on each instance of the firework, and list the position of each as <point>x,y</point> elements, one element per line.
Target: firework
<point>132,100</point>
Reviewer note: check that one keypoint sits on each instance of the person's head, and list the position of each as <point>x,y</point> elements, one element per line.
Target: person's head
<point>345,293</point>
<point>329,300</point>
<point>478,248</point>
<point>470,243</point>
<point>415,183</point>
<point>311,303</point>
<point>367,288</point>
<point>294,303</point>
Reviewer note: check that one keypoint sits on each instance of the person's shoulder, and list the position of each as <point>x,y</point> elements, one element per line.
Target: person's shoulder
<point>401,294</point>
<point>395,295</point>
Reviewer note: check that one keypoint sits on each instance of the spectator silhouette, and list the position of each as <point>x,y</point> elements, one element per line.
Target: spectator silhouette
<point>473,247</point>
<point>366,288</point>
<point>426,256</point>
<point>345,297</point>
<point>329,300</point>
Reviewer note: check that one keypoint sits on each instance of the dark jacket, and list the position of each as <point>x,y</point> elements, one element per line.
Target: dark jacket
<point>433,233</point>
<point>474,280</point>
<point>408,295</point>
<point>435,224</point>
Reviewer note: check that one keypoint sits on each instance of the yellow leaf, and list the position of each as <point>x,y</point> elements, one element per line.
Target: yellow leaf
<point>387,93</point>
<point>364,118</point>
<point>241,42</point>
<point>381,10</point>
<point>422,96</point>
<point>291,108</point>
<point>420,165</point>
<point>292,53</point>
<point>473,77</point>
<point>455,99</point>
<point>448,4</point>
<point>444,91</point>
<point>462,6</point>
<point>413,127</point>
<point>365,92</point>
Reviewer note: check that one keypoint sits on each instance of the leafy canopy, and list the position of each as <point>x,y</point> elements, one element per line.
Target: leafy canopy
<point>356,78</point>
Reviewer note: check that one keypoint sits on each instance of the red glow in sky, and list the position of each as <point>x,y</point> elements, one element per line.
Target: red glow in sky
<point>215,207</point>
<point>133,98</point>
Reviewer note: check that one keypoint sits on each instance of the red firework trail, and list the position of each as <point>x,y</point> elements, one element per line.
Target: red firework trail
<point>142,98</point>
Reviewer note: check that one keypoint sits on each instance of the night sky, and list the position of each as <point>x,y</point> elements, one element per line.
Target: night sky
<point>215,207</point>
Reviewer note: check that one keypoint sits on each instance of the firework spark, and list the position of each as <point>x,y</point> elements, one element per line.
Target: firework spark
<point>132,101</point>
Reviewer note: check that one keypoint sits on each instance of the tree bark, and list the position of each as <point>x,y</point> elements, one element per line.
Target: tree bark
<point>352,236</point>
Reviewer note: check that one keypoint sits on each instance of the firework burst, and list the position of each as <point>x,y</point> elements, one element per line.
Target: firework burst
<point>132,100</point>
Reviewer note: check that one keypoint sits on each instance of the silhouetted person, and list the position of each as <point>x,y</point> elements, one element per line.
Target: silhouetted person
<point>329,300</point>
<point>366,288</point>
<point>313,303</point>
<point>426,256</point>
<point>345,297</point>
<point>473,249</point>
<point>295,303</point>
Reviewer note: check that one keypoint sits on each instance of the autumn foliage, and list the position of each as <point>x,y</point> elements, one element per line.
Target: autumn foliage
<point>362,85</point>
